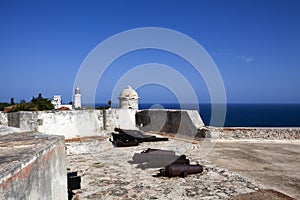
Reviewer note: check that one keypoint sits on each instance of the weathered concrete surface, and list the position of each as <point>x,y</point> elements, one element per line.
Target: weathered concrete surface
<point>121,118</point>
<point>67,123</point>
<point>71,123</point>
<point>107,174</point>
<point>181,122</point>
<point>32,166</point>
<point>272,164</point>
<point>262,195</point>
<point>3,118</point>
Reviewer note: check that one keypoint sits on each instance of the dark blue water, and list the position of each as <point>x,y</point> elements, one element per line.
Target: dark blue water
<point>247,115</point>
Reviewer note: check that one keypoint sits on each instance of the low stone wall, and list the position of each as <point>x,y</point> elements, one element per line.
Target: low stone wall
<point>181,122</point>
<point>26,121</point>
<point>76,123</point>
<point>271,133</point>
<point>32,166</point>
<point>70,123</point>
<point>3,118</point>
<point>121,118</point>
<point>4,130</point>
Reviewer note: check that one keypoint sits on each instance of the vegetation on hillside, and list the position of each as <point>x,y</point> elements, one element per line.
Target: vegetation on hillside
<point>36,104</point>
<point>42,103</point>
<point>3,105</point>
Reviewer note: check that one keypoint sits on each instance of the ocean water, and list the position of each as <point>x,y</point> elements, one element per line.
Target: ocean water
<point>247,115</point>
<point>244,115</point>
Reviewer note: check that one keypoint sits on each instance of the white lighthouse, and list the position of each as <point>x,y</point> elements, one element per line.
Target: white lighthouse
<point>77,98</point>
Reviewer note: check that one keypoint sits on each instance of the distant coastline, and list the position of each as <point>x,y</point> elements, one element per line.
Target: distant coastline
<point>245,115</point>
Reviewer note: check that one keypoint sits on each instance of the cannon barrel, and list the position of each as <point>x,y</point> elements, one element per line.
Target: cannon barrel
<point>127,138</point>
<point>150,150</point>
<point>119,130</point>
<point>122,136</point>
<point>180,170</point>
<point>120,143</point>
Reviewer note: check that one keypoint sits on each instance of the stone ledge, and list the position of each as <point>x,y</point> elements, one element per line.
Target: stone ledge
<point>268,133</point>
<point>32,162</point>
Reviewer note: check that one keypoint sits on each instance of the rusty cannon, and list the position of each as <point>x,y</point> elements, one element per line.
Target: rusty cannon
<point>122,143</point>
<point>181,170</point>
<point>123,137</point>
<point>127,138</point>
<point>138,135</point>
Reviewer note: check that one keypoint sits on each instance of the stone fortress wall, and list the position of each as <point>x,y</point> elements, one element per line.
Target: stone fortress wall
<point>186,123</point>
<point>76,123</point>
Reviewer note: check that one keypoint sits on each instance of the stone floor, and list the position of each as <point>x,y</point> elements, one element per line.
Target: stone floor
<point>107,174</point>
<point>271,164</point>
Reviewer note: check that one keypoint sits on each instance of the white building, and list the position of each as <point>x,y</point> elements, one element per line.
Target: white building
<point>77,98</point>
<point>128,99</point>
<point>56,101</point>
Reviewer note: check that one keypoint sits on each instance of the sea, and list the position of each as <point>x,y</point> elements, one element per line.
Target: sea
<point>243,115</point>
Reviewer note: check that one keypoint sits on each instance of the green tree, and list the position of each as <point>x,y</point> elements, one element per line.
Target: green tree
<point>42,103</point>
<point>36,104</point>
<point>3,105</point>
<point>22,101</point>
<point>109,103</point>
<point>12,101</point>
<point>24,107</point>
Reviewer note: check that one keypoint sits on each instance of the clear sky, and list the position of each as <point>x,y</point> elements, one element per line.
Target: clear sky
<point>255,45</point>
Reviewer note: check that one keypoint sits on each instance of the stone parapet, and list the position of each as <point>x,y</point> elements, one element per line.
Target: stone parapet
<point>32,166</point>
<point>181,122</point>
<point>270,133</point>
<point>75,123</point>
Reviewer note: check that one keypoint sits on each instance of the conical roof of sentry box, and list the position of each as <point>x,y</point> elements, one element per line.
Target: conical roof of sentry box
<point>128,93</point>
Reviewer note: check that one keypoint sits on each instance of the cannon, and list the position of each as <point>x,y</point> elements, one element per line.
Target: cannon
<point>154,139</point>
<point>122,137</point>
<point>181,170</point>
<point>73,182</point>
<point>126,138</point>
<point>138,135</point>
<point>149,150</point>
<point>121,143</point>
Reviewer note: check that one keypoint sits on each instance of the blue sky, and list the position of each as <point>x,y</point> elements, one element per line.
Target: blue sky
<point>255,45</point>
